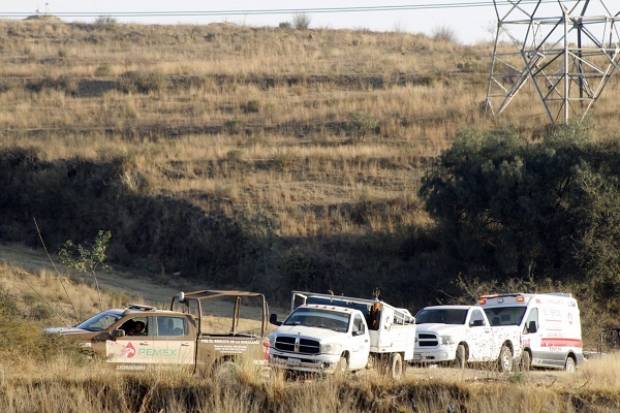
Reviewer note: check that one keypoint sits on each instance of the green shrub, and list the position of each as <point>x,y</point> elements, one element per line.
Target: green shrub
<point>508,208</point>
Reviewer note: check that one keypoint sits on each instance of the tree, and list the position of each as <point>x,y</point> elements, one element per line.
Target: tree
<point>301,21</point>
<point>511,208</point>
<point>87,258</point>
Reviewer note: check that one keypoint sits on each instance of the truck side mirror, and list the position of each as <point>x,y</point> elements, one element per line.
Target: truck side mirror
<point>118,333</point>
<point>531,327</point>
<point>273,319</point>
<point>476,323</point>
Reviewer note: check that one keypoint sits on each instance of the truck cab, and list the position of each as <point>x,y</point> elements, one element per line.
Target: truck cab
<point>460,335</point>
<point>548,325</point>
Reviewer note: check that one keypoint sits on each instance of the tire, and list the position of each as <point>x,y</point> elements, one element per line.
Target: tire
<point>504,361</point>
<point>460,361</point>
<point>397,366</point>
<point>570,366</point>
<point>526,361</point>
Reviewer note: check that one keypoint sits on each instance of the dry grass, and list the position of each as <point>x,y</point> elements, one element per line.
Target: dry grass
<point>47,297</point>
<point>294,125</point>
<point>61,385</point>
<point>60,382</point>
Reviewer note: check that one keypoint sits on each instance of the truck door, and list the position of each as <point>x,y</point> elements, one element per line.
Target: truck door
<point>360,349</point>
<point>134,348</point>
<point>480,337</point>
<point>174,343</point>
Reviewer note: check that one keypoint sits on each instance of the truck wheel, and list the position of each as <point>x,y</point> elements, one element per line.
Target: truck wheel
<point>396,366</point>
<point>570,365</point>
<point>460,362</point>
<point>504,362</point>
<point>526,361</point>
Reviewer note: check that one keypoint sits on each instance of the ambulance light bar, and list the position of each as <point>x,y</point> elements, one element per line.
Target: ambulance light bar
<point>520,298</point>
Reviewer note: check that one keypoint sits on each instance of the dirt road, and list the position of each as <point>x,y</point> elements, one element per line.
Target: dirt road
<point>147,289</point>
<point>139,285</point>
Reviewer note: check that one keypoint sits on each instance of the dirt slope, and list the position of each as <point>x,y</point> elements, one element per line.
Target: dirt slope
<point>131,283</point>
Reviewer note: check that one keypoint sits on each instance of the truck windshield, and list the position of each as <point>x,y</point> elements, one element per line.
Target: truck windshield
<point>309,317</point>
<point>505,316</point>
<point>441,316</point>
<point>99,322</point>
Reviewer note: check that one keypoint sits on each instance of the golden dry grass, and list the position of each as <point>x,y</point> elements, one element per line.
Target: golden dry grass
<point>296,126</point>
<point>60,382</point>
<point>62,385</point>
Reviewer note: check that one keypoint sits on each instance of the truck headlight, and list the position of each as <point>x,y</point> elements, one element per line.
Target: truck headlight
<point>272,340</point>
<point>331,348</point>
<point>447,340</point>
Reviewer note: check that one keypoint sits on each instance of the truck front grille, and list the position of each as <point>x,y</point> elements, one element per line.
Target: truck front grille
<point>309,346</point>
<point>297,345</point>
<point>285,343</point>
<point>427,340</point>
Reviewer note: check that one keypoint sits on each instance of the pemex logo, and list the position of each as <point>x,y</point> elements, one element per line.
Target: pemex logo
<point>129,350</point>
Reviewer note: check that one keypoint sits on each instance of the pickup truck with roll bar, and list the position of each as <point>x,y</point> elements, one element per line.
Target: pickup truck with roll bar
<point>191,334</point>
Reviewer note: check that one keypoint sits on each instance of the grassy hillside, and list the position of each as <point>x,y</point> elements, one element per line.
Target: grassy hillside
<point>262,158</point>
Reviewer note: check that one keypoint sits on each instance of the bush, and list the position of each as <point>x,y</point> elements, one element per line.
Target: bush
<point>445,34</point>
<point>508,208</point>
<point>103,70</point>
<point>362,124</point>
<point>105,21</point>
<point>285,25</point>
<point>251,106</point>
<point>301,21</point>
<point>141,82</point>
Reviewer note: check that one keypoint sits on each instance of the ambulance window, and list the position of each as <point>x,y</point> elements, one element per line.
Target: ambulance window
<point>533,316</point>
<point>477,319</point>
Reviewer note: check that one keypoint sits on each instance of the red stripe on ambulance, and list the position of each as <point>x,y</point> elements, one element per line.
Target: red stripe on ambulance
<point>561,342</point>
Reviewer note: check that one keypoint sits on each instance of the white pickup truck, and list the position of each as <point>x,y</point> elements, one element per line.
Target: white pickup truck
<point>462,334</point>
<point>326,333</point>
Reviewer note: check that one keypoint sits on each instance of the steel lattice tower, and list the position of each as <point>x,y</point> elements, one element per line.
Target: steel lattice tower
<point>568,49</point>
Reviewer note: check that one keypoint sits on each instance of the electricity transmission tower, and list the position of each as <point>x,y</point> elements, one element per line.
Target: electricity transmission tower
<point>569,49</point>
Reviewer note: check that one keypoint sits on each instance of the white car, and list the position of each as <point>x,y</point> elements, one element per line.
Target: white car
<point>326,333</point>
<point>549,327</point>
<point>459,335</point>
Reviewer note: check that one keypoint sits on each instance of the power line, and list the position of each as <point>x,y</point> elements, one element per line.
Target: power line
<point>256,12</point>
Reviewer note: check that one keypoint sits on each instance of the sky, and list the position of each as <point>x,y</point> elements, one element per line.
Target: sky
<point>470,25</point>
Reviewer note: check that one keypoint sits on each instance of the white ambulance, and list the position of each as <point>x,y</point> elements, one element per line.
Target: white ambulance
<point>549,324</point>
